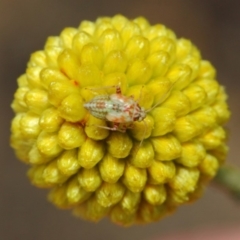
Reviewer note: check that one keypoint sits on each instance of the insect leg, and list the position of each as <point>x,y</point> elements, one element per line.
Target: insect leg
<point>118,89</point>
<point>106,87</point>
<point>144,133</point>
<point>114,128</point>
<point>98,90</point>
<point>140,95</point>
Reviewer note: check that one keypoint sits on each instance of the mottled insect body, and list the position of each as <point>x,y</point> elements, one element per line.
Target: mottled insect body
<point>120,110</point>
<point>116,108</point>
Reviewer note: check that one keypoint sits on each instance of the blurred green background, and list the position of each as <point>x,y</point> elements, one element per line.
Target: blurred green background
<point>213,25</point>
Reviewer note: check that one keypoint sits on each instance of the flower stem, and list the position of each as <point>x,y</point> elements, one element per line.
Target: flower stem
<point>228,178</point>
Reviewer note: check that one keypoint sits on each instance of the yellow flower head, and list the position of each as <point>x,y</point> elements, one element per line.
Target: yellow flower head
<point>157,164</point>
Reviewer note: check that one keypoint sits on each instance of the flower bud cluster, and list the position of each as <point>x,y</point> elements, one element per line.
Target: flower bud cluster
<point>159,163</point>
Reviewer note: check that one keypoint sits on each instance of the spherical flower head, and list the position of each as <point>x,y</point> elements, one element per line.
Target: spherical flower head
<point>140,171</point>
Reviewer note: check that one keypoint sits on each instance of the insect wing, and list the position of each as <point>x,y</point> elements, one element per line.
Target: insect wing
<point>97,106</point>
<point>121,109</point>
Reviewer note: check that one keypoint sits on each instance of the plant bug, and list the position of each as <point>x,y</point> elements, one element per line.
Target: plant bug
<point>122,111</point>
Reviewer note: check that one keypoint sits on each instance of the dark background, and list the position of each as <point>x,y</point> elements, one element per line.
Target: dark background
<point>213,25</point>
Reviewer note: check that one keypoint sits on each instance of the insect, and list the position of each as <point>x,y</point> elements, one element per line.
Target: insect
<point>121,110</point>
<point>116,108</point>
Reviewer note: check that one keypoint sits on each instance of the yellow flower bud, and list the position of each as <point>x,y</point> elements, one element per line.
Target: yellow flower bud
<point>178,102</point>
<point>142,94</point>
<point>52,54</point>
<point>130,30</point>
<point>37,100</point>
<point>37,59</point>
<point>142,156</point>
<point>111,169</point>
<point>59,90</point>
<point>66,36</point>
<point>194,63</point>
<point>159,61</point>
<point>209,166</point>
<point>119,144</point>
<point>29,125</point>
<point>184,48</point>
<point>58,196</point>
<point>22,148</point>
<point>206,115</point>
<point>68,63</point>
<point>67,162</point>
<point>50,75</point>
<point>207,70</point>
<point>187,127</point>
<point>155,194</point>
<point>120,216</point>
<point>185,179</point>
<point>165,119</point>
<point>33,78</point>
<point>211,87</point>
<point>80,39</point>
<point>47,144</point>
<point>166,148</point>
<point>34,156</point>
<point>109,194</point>
<point>93,130</point>
<point>180,74</point>
<point>113,79</point>
<point>89,75</point>
<point>159,30</point>
<point>91,210</point>
<point>213,138</point>
<point>157,153</point>
<point>149,212</point>
<point>22,81</point>
<point>125,211</point>
<point>71,136</point>
<point>36,176</point>
<point>137,46</point>
<point>87,26</point>
<point>142,23</point>
<point>164,44</point>
<point>52,175</point>
<point>92,54</point>
<point>130,201</point>
<point>71,108</point>
<point>196,95</point>
<point>139,72</point>
<point>90,153</point>
<point>192,155</point>
<point>223,114</point>
<point>75,193</point>
<point>116,61</point>
<point>50,120</point>
<point>160,88</point>
<point>52,42</point>
<point>89,179</point>
<point>161,172</point>
<point>142,130</point>
<point>110,40</point>
<point>134,178</point>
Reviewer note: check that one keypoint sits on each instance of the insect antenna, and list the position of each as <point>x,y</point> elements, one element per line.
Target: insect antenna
<point>163,98</point>
<point>144,133</point>
<point>140,95</point>
<point>97,89</point>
